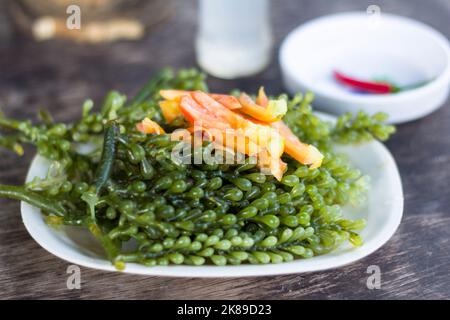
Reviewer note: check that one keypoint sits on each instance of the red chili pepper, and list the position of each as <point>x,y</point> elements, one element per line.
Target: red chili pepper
<point>365,86</point>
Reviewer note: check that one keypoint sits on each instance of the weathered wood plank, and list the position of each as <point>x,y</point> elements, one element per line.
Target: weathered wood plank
<point>59,76</point>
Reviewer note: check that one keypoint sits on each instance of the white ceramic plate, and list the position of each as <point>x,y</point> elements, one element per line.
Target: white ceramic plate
<point>363,46</point>
<point>383,212</point>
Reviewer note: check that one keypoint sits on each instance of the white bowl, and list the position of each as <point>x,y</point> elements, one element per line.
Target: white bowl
<point>404,50</point>
<point>383,212</point>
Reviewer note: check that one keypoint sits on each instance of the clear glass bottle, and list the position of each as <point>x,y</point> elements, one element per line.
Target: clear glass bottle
<point>234,37</point>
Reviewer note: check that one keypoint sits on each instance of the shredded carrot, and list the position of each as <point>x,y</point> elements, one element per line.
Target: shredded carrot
<point>148,126</point>
<point>170,109</point>
<point>250,127</point>
<point>303,153</point>
<point>230,102</point>
<point>266,113</point>
<point>262,99</point>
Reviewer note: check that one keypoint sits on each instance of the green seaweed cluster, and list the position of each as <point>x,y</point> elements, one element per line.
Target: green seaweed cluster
<point>128,189</point>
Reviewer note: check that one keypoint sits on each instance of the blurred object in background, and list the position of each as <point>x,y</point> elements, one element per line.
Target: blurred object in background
<point>234,37</point>
<point>100,20</point>
<point>5,25</point>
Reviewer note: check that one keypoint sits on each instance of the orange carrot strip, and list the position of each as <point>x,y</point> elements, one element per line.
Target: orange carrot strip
<point>173,94</point>
<point>170,110</point>
<point>256,111</point>
<point>148,126</point>
<point>228,101</point>
<point>303,153</point>
<point>262,99</point>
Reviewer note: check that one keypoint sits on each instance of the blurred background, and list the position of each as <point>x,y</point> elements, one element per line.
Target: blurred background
<point>60,73</point>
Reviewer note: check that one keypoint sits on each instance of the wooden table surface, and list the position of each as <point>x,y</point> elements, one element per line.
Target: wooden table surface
<point>60,75</point>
